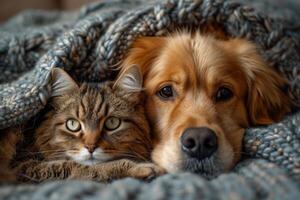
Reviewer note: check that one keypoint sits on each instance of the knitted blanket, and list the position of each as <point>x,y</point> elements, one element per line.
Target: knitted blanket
<point>90,42</point>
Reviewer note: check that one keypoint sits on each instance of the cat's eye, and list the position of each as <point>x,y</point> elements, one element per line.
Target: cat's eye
<point>73,125</point>
<point>165,93</point>
<point>223,94</point>
<point>112,123</point>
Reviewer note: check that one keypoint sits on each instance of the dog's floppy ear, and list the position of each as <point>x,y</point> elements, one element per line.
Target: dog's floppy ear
<point>267,99</point>
<point>143,53</point>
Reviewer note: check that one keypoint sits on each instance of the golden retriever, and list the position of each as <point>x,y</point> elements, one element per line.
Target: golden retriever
<point>202,93</point>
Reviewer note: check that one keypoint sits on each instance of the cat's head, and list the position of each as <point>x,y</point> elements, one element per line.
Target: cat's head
<point>94,123</point>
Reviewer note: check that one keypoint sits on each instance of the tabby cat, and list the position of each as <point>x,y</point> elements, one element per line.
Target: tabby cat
<point>93,131</point>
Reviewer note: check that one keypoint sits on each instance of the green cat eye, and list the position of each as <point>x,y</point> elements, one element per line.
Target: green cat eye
<point>73,125</point>
<point>112,123</point>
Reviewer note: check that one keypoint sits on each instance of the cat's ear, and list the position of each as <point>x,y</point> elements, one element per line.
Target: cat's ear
<point>130,80</point>
<point>61,83</point>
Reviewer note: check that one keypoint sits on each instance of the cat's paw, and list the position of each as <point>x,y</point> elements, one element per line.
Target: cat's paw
<point>146,171</point>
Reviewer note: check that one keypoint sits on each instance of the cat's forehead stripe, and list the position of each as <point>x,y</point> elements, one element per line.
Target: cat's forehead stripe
<point>106,109</point>
<point>93,102</point>
<point>98,103</point>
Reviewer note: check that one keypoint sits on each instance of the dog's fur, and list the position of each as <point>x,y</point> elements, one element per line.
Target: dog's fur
<point>196,66</point>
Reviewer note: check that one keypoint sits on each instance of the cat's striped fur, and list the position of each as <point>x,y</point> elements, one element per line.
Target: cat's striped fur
<point>95,131</point>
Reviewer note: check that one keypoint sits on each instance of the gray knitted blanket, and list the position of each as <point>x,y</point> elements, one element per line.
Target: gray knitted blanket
<point>88,43</point>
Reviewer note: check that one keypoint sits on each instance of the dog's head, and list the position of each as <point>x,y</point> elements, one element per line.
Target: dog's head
<point>201,95</point>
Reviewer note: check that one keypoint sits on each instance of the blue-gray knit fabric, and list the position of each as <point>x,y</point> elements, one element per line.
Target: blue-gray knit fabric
<point>89,43</point>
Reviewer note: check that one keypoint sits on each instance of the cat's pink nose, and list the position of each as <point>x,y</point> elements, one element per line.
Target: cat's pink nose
<point>90,147</point>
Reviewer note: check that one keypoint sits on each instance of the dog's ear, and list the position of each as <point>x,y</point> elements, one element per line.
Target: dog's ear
<point>130,80</point>
<point>143,53</point>
<point>267,96</point>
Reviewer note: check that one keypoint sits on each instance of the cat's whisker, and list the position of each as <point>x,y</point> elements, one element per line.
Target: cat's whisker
<point>47,151</point>
<point>126,151</point>
<point>118,151</point>
<point>127,154</point>
<point>57,157</point>
<point>136,157</point>
<point>57,151</point>
<point>38,152</point>
<point>28,177</point>
<point>142,142</point>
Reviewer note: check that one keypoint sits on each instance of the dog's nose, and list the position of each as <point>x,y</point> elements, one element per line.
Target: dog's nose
<point>199,142</point>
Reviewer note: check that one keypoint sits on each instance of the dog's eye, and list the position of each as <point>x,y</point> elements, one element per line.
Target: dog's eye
<point>224,94</point>
<point>166,92</point>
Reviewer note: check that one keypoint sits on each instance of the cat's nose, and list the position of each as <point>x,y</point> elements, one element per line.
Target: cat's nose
<point>90,147</point>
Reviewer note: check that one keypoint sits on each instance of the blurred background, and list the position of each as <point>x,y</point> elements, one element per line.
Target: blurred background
<point>9,8</point>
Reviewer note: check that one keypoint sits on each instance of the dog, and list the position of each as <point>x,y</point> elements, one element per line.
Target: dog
<point>202,93</point>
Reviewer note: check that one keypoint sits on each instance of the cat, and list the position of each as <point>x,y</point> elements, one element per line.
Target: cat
<point>92,132</point>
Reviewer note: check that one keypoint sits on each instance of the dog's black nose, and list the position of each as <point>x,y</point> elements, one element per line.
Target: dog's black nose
<point>199,142</point>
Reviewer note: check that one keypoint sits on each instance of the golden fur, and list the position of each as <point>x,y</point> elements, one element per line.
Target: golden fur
<point>196,66</point>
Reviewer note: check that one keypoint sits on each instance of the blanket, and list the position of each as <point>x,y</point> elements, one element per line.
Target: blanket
<point>90,42</point>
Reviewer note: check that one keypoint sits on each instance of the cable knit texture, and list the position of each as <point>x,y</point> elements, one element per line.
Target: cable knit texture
<point>90,42</point>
